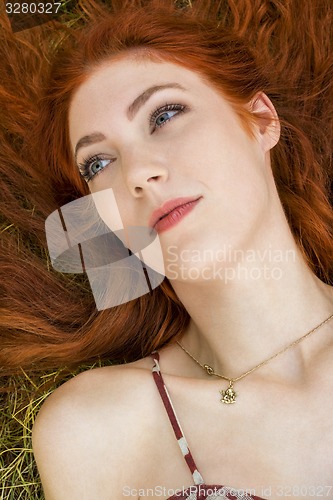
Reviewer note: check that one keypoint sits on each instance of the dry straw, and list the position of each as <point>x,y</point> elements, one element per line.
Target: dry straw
<point>260,21</point>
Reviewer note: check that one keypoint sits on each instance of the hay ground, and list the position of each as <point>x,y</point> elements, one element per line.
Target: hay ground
<point>20,400</point>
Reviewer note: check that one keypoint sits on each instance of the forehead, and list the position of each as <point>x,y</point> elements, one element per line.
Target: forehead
<point>129,76</point>
<point>113,86</point>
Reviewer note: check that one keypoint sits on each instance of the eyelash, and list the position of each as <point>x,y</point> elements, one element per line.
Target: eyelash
<point>160,110</point>
<point>85,166</point>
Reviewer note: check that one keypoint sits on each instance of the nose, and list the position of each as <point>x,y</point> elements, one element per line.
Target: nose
<point>143,169</point>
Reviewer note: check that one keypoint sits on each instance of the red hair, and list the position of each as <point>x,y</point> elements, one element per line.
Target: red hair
<point>49,319</point>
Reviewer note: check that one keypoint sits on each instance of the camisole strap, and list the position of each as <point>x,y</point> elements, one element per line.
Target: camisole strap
<point>181,440</point>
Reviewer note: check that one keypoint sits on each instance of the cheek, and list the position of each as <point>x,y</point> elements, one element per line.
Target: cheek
<point>112,204</point>
<point>108,208</point>
<point>233,170</point>
<point>214,151</point>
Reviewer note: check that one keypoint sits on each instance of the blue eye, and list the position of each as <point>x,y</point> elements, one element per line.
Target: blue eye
<point>93,166</point>
<point>97,166</point>
<point>162,118</point>
<point>162,115</point>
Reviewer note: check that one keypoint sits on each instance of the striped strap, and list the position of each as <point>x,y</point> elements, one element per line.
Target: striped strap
<point>197,478</point>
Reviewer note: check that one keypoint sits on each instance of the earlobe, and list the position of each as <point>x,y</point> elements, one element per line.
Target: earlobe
<point>267,121</point>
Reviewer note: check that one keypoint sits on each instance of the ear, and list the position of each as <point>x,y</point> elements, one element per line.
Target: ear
<point>267,124</point>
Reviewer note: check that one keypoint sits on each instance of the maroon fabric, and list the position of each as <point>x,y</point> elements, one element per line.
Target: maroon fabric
<point>200,490</point>
<point>166,401</point>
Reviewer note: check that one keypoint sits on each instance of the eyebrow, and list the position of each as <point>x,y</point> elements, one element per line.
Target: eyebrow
<point>132,110</point>
<point>87,140</point>
<point>143,98</point>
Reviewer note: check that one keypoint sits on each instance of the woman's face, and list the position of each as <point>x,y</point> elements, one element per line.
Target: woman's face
<point>158,132</point>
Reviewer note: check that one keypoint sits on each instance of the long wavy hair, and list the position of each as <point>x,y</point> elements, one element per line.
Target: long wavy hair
<point>48,319</point>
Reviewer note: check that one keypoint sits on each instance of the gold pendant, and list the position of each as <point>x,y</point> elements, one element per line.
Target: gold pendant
<point>229,395</point>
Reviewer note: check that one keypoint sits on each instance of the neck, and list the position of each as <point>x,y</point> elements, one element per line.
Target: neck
<point>237,324</point>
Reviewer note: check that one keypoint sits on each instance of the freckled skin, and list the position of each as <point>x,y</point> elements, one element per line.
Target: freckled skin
<point>203,150</point>
<point>272,437</point>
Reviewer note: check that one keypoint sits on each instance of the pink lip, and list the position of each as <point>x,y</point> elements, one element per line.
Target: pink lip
<point>171,212</point>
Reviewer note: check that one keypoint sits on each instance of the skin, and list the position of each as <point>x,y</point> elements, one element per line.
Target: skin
<point>95,426</point>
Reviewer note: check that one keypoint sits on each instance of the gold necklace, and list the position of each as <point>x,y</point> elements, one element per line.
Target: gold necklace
<point>229,395</point>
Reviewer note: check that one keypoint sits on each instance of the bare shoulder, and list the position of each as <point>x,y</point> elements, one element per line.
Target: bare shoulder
<point>89,428</point>
<point>94,389</point>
